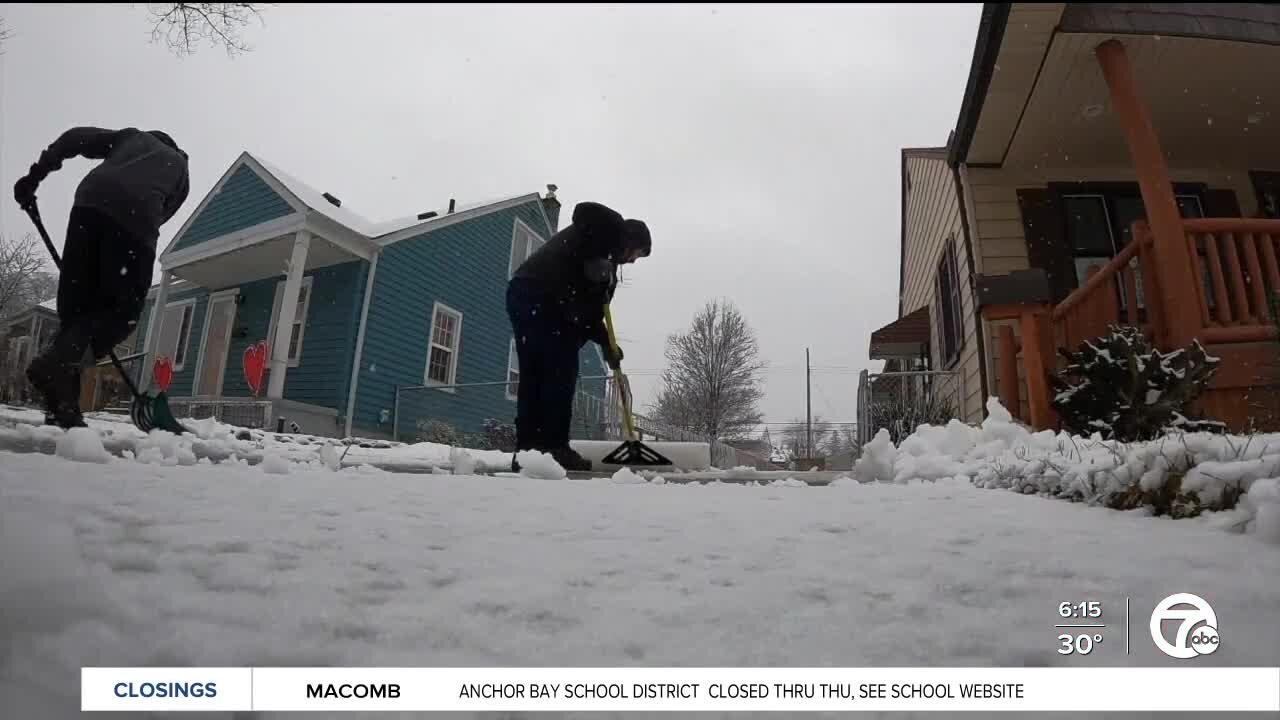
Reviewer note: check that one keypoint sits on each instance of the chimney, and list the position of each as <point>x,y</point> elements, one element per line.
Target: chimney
<point>333,200</point>
<point>427,215</point>
<point>452,203</point>
<point>552,207</point>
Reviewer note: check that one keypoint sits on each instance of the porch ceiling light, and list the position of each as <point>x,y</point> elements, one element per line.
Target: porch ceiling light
<point>1092,111</point>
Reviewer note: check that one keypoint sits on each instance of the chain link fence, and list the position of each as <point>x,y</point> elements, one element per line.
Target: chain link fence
<point>902,401</point>
<point>482,416</point>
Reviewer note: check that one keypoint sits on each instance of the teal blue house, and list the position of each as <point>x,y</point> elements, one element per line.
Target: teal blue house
<point>376,329</point>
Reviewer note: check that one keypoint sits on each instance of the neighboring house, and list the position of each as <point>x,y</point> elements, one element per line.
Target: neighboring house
<point>1076,119</point>
<point>22,336</point>
<point>352,310</point>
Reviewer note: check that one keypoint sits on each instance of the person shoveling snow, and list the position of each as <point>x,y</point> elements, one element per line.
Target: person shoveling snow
<point>556,303</point>
<point>110,249</point>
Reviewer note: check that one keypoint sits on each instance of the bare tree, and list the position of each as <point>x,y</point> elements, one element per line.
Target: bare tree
<point>4,35</point>
<point>712,385</point>
<point>183,26</point>
<point>24,275</point>
<point>795,438</point>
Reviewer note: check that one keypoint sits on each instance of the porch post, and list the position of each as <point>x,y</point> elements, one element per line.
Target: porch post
<point>1173,260</point>
<point>154,328</point>
<point>1007,347</point>
<point>1038,360</point>
<point>284,323</point>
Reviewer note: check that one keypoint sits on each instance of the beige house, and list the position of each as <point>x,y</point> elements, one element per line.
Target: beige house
<point>1076,119</point>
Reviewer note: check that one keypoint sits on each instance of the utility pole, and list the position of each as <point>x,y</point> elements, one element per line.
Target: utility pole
<point>808,405</point>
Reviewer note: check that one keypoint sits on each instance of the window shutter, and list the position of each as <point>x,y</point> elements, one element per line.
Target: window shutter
<point>1047,245</point>
<point>1220,202</point>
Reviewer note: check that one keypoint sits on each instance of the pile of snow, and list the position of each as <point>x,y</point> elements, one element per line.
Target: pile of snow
<point>82,445</point>
<point>462,462</point>
<point>625,476</point>
<point>274,464</point>
<point>535,464</point>
<point>1002,454</point>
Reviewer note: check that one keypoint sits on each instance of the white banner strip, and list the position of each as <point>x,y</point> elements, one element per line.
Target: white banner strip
<point>1115,689</point>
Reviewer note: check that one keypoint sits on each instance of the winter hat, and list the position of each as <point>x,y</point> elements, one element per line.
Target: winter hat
<point>635,234</point>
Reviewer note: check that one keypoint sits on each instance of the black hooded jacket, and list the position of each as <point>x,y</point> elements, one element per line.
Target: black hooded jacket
<point>577,269</point>
<point>141,182</point>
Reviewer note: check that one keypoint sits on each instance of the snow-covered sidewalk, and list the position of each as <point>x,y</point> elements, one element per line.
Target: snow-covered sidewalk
<point>124,563</point>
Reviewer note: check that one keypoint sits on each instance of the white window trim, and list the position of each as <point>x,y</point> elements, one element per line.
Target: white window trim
<point>512,360</point>
<point>436,310</point>
<point>204,340</point>
<point>512,265</point>
<point>183,342</point>
<point>277,303</point>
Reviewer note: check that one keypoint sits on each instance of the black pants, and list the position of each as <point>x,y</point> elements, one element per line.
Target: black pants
<point>102,287</point>
<point>547,345</point>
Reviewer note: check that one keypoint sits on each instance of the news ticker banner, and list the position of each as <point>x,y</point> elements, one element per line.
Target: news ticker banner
<point>1116,689</point>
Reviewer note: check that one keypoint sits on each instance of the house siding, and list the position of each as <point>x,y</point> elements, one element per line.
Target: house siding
<point>463,266</point>
<point>1000,241</point>
<point>933,219</point>
<point>243,201</point>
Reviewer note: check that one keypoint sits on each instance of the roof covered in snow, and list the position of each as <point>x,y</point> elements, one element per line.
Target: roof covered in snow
<point>316,201</point>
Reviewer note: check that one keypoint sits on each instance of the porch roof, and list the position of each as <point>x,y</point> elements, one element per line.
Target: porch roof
<point>907,336</point>
<point>1036,97</point>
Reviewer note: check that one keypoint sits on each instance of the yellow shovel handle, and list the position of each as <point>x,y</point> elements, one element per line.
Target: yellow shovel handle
<point>624,388</point>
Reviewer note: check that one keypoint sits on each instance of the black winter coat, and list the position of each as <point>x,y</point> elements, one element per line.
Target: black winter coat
<point>576,272</point>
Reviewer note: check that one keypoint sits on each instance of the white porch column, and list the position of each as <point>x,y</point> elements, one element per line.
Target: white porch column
<point>288,307</point>
<point>154,328</point>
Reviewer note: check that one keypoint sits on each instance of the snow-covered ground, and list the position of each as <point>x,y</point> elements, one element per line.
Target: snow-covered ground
<point>156,558</point>
<point>208,437</point>
<point>124,563</point>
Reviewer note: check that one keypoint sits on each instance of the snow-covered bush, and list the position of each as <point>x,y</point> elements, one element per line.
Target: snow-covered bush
<point>1118,386</point>
<point>498,436</point>
<point>1232,480</point>
<point>437,431</point>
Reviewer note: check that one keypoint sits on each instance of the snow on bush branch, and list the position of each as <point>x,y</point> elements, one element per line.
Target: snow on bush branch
<point>1120,387</point>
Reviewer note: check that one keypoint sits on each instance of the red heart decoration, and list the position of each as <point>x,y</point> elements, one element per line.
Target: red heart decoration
<point>162,372</point>
<point>255,365</point>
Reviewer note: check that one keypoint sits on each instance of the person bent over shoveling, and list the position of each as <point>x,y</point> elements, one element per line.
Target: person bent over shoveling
<point>556,304</point>
<point>109,251</point>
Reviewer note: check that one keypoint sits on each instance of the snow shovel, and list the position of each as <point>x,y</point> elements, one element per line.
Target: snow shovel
<point>148,413</point>
<point>632,451</point>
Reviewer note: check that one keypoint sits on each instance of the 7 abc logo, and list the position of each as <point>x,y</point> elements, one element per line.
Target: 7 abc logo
<point>1197,629</point>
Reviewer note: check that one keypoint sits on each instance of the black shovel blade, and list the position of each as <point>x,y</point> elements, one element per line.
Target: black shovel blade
<point>151,413</point>
<point>634,452</point>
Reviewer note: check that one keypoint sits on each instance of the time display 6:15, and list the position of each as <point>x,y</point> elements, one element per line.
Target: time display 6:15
<point>1082,609</point>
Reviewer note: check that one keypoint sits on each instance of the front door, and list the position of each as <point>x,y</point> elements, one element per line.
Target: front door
<point>218,326</point>
<point>1267,186</point>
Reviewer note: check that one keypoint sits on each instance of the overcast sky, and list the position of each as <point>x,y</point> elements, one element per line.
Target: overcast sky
<point>760,143</point>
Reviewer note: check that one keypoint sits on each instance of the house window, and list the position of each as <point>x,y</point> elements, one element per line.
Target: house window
<point>19,350</point>
<point>524,242</point>
<point>442,355</point>
<point>513,372</point>
<point>1098,226</point>
<point>948,292</point>
<point>175,332</point>
<point>299,319</point>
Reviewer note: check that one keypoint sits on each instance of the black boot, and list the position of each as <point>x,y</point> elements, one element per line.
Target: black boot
<point>570,460</point>
<point>59,387</point>
<point>43,373</point>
